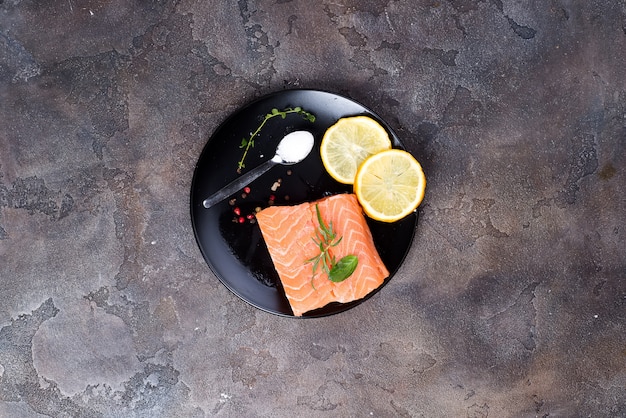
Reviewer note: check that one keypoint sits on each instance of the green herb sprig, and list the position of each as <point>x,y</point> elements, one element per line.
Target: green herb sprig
<point>248,143</point>
<point>326,238</point>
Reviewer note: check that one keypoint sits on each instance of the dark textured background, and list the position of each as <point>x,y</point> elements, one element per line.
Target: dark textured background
<point>511,303</point>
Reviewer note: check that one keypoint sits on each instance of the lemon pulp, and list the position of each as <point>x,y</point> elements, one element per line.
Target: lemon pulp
<point>349,142</point>
<point>390,185</point>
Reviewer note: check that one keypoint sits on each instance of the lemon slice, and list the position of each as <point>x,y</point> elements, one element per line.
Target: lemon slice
<point>390,185</point>
<point>347,143</point>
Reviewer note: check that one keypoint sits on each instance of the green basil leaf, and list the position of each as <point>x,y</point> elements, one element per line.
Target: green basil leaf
<point>343,269</point>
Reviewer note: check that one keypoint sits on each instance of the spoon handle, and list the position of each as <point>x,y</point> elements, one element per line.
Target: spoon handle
<point>238,184</point>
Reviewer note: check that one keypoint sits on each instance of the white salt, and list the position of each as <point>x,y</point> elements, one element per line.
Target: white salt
<point>295,146</point>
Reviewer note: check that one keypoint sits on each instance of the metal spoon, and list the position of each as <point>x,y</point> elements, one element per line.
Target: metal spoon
<point>292,149</point>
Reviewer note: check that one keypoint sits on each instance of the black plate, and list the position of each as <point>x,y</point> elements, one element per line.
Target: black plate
<point>235,251</point>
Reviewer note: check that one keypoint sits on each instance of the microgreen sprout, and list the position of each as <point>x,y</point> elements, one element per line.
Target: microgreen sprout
<point>326,238</point>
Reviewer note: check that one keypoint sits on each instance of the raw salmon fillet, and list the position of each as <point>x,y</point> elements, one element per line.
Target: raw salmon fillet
<point>288,233</point>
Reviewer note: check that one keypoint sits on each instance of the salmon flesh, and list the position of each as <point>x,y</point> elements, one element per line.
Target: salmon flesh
<point>289,233</point>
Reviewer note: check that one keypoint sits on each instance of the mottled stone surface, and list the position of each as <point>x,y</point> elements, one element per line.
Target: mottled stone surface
<point>511,302</point>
